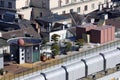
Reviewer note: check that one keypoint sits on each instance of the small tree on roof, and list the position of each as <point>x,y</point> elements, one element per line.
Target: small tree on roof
<point>80,42</point>
<point>68,46</point>
<point>55,49</point>
<point>55,37</point>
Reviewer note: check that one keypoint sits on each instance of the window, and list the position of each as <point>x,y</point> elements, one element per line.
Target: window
<point>40,14</point>
<point>13,35</point>
<point>27,35</point>
<point>71,10</point>
<point>73,1</point>
<point>9,4</point>
<point>36,48</point>
<point>22,50</point>
<point>78,9</point>
<point>22,58</point>
<point>85,8</point>
<point>106,1</point>
<point>66,1</point>
<point>4,51</point>
<point>63,12</point>
<point>93,6</point>
<point>28,57</point>
<point>27,3</point>
<point>1,3</point>
<point>22,54</point>
<point>59,3</point>
<point>43,4</point>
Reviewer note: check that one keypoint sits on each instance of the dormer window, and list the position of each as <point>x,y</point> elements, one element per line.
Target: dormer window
<point>9,4</point>
<point>1,3</point>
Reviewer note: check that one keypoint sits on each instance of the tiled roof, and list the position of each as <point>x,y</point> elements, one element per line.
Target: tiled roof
<point>114,22</point>
<point>20,33</point>
<point>20,24</point>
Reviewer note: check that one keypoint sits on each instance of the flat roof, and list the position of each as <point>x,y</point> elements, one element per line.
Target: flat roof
<point>103,27</point>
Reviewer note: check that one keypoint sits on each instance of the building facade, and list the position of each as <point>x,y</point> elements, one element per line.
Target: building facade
<point>79,6</point>
<point>1,61</point>
<point>39,8</point>
<point>67,6</point>
<point>18,6</point>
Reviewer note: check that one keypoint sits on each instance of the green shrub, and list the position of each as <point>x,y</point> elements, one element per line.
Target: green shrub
<point>1,71</point>
<point>55,49</point>
<point>68,46</point>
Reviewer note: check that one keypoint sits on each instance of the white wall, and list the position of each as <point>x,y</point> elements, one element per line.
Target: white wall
<point>7,48</point>
<point>26,13</point>
<point>22,3</point>
<point>17,4</point>
<point>55,9</point>
<point>21,55</point>
<point>1,63</point>
<point>62,34</point>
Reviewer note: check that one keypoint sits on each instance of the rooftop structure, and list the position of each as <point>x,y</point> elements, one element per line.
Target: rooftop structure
<point>98,34</point>
<point>25,50</point>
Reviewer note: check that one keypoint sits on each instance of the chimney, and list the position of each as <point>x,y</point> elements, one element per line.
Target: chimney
<point>21,16</point>
<point>64,24</point>
<point>92,20</point>
<point>37,27</point>
<point>50,25</point>
<point>105,16</point>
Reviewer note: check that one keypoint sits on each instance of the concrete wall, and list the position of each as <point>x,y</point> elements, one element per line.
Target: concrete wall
<point>40,3</point>
<point>36,12</point>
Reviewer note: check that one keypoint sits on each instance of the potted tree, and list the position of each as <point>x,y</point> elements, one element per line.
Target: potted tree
<point>55,50</point>
<point>67,47</point>
<point>80,43</point>
<point>55,38</point>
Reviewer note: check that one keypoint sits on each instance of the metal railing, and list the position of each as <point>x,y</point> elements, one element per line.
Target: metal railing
<point>67,59</point>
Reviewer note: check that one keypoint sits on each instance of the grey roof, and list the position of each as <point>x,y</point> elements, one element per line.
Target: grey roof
<point>20,24</point>
<point>72,30</point>
<point>52,18</point>
<point>21,33</point>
